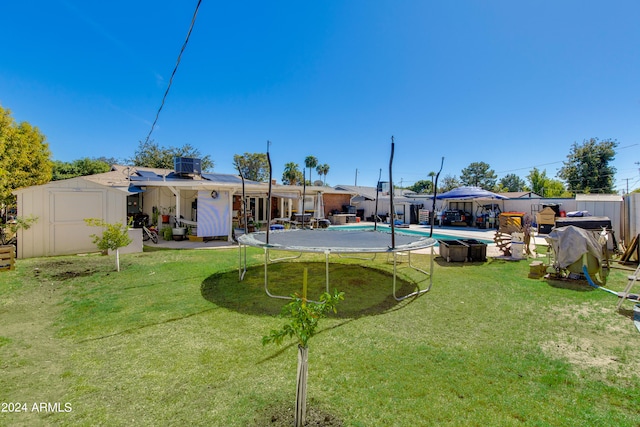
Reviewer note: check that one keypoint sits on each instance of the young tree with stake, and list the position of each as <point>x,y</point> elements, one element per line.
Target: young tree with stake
<point>304,317</point>
<point>113,237</point>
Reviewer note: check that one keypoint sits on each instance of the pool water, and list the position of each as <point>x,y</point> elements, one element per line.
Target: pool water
<point>386,228</point>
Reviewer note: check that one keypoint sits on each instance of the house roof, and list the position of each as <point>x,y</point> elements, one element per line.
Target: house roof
<point>122,175</point>
<point>130,179</point>
<point>127,178</point>
<point>369,193</point>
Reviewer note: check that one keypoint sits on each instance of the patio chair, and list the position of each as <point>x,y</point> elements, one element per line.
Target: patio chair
<point>633,279</point>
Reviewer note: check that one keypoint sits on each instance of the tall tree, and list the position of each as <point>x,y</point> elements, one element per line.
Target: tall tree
<point>537,180</point>
<point>25,158</point>
<point>421,186</point>
<point>449,183</point>
<point>254,166</point>
<point>292,174</point>
<point>479,174</point>
<point>512,182</point>
<point>555,188</point>
<point>587,169</point>
<point>544,186</point>
<point>151,155</point>
<point>79,167</point>
<point>310,162</point>
<point>323,170</point>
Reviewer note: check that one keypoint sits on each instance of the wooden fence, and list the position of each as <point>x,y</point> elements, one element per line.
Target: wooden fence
<point>7,257</point>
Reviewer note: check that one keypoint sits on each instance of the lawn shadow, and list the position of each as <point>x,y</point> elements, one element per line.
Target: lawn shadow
<point>579,285</point>
<point>458,264</point>
<point>368,291</point>
<point>626,312</point>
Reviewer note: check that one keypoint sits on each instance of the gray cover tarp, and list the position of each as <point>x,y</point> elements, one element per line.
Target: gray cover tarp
<point>570,243</point>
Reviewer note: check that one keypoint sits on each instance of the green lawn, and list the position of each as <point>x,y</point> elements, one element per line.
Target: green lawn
<point>175,339</point>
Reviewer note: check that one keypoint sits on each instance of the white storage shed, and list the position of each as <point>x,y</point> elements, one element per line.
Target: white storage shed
<point>61,207</point>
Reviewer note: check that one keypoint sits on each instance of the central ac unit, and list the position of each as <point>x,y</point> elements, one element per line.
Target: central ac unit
<point>187,166</point>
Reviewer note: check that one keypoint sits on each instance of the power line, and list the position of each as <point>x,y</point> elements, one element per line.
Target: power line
<point>184,45</point>
<point>553,163</point>
<point>529,167</point>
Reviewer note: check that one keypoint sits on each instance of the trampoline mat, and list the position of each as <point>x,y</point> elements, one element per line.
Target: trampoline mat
<point>339,241</point>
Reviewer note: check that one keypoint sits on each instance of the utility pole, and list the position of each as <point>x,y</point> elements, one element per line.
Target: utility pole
<point>356,184</point>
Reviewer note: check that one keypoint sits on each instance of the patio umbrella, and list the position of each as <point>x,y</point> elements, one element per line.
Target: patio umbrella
<point>469,193</point>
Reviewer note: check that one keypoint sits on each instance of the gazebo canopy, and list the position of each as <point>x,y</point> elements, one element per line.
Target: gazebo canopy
<point>469,193</point>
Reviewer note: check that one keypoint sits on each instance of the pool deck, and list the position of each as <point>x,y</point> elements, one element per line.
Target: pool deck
<point>454,232</point>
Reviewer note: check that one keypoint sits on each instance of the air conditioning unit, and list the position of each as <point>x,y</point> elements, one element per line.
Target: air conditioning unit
<point>187,166</point>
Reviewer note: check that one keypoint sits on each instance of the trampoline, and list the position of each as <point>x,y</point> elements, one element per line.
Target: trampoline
<point>340,242</point>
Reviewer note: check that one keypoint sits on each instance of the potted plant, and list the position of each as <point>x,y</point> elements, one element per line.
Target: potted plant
<point>253,226</point>
<point>192,234</point>
<point>167,233</point>
<point>155,213</point>
<point>179,233</point>
<point>166,212</point>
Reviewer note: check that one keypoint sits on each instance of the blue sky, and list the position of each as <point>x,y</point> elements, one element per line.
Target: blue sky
<point>510,83</point>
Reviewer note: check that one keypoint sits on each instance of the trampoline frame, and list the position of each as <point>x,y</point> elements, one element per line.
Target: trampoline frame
<point>250,240</point>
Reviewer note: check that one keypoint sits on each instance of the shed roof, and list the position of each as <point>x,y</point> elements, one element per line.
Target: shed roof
<point>598,198</point>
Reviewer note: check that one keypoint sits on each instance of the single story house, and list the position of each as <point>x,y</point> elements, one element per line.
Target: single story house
<point>210,203</point>
<point>407,204</point>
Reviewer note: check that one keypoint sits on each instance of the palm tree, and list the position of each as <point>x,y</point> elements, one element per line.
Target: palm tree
<point>310,162</point>
<point>323,170</point>
<point>291,174</point>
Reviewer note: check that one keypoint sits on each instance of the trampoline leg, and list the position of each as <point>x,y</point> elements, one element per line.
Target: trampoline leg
<point>419,291</point>
<point>241,270</point>
<point>394,278</point>
<point>266,277</point>
<point>285,258</point>
<point>427,273</point>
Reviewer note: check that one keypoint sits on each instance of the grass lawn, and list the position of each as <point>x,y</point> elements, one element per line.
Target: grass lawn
<point>175,339</point>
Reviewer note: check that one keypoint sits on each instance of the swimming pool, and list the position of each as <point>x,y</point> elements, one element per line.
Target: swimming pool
<point>387,229</point>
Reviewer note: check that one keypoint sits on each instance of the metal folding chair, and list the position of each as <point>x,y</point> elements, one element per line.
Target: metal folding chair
<point>633,279</point>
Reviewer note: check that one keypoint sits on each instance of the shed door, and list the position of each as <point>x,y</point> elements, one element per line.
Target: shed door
<point>69,233</point>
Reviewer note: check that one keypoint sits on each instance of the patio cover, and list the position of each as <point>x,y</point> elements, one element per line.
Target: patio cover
<point>469,193</point>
